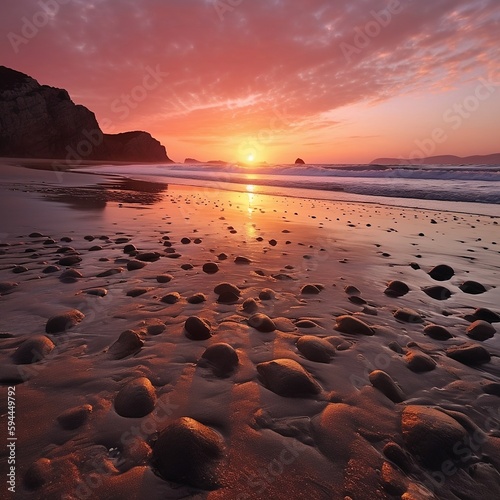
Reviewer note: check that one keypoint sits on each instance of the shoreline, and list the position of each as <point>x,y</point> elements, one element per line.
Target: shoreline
<point>317,269</point>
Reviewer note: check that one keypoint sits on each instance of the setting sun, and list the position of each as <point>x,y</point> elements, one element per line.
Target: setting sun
<point>251,157</point>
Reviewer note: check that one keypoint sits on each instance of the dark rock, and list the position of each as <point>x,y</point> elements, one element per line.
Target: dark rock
<point>74,417</point>
<point>197,328</point>
<point>148,256</point>
<point>187,267</point>
<point>287,378</point>
<point>64,321</point>
<point>437,292</point>
<point>266,294</point>
<point>262,323</point>
<point>32,350</point>
<point>352,290</point>
<point>398,456</point>
<point>197,298</point>
<point>227,292</point>
<point>134,265</point>
<point>174,255</point>
<point>171,298</point>
<point>352,325</point>
<point>36,235</point>
<point>136,292</point>
<point>386,385</point>
<point>71,260</point>
<point>437,332</point>
<point>135,399</point>
<point>492,388</point>
<point>431,435</point>
<point>50,269</point>
<point>442,272</point>
<point>164,278</point>
<point>315,349</point>
<point>360,301</point>
<point>415,266</point>
<point>185,241</point>
<point>472,287</point>
<point>408,316</point>
<point>70,276</point>
<point>210,268</point>
<point>222,256</point>
<point>98,292</point>
<point>480,330</point>
<point>469,354</point>
<point>486,315</point>
<point>128,343</point>
<point>7,287</point>
<point>222,358</point>
<point>250,305</point>
<point>242,260</point>
<point>419,362</point>
<point>110,272</point>
<point>95,248</point>
<point>129,249</point>
<point>309,290</point>
<point>19,269</point>
<point>188,452</point>
<point>300,161</point>
<point>38,474</point>
<point>306,323</point>
<point>396,289</point>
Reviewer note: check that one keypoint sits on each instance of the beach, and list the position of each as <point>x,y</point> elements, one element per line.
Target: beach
<point>168,340</point>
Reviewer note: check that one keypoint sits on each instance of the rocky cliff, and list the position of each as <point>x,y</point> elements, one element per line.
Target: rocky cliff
<point>38,121</point>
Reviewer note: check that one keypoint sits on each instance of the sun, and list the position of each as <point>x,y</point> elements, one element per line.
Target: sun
<point>251,157</point>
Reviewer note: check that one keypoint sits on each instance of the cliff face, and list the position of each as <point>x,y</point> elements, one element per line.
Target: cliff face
<point>38,121</point>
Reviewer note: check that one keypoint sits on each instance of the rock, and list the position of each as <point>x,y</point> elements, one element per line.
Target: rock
<point>171,298</point>
<point>408,316</point>
<point>128,343</point>
<point>300,161</point>
<point>352,290</point>
<point>197,328</point>
<point>472,287</point>
<point>442,272</point>
<point>431,435</point>
<point>210,268</point>
<point>134,265</point>
<point>187,267</point>
<point>352,325</point>
<point>99,292</point>
<point>51,269</point>
<point>38,474</point>
<point>148,256</point>
<point>188,452</point>
<point>222,358</point>
<point>197,298</point>
<point>419,362</point>
<point>386,385</point>
<point>71,260</point>
<point>492,388</point>
<point>398,456</point>
<point>70,276</point>
<point>110,272</point>
<point>396,289</point>
<point>136,292</point>
<point>135,399</point>
<point>310,290</point>
<point>437,332</point>
<point>242,260</point>
<point>486,315</point>
<point>95,248</point>
<point>64,321</point>
<point>20,269</point>
<point>315,349</point>
<point>266,294</point>
<point>173,255</point>
<point>306,323</point>
<point>437,292</point>
<point>74,417</point>
<point>164,278</point>
<point>7,287</point>
<point>393,480</point>
<point>38,121</point>
<point>287,378</point>
<point>262,323</point>
<point>480,330</point>
<point>129,249</point>
<point>250,305</point>
<point>469,354</point>
<point>227,292</point>
<point>155,327</point>
<point>32,350</point>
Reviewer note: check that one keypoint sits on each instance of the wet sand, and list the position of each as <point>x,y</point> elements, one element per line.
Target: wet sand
<point>353,351</point>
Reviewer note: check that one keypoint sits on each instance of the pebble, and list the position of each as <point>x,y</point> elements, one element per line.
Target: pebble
<point>442,272</point>
<point>70,276</point>
<point>210,268</point>
<point>222,358</point>
<point>38,473</point>
<point>171,298</point>
<point>73,418</point>
<point>287,378</point>
<point>134,265</point>
<point>136,292</point>
<point>419,362</point>
<point>187,452</point>
<point>110,272</point>
<point>262,323</point>
<point>242,260</point>
<point>472,287</point>
<point>431,435</point>
<point>129,342</point>
<point>129,249</point>
<point>64,321</point>
<point>148,256</point>
<point>437,292</point>
<point>32,350</point>
<point>315,348</point>
<point>408,315</point>
<point>135,399</point>
<point>50,269</point>
<point>250,305</point>
<point>197,298</point>
<point>386,385</point>
<point>310,290</point>
<point>437,332</point>
<point>469,354</point>
<point>71,260</point>
<point>187,267</point>
<point>396,289</point>
<point>164,278</point>
<point>266,294</point>
<point>352,325</point>
<point>486,315</point>
<point>7,287</point>
<point>480,330</point>
<point>19,269</point>
<point>197,328</point>
<point>227,293</point>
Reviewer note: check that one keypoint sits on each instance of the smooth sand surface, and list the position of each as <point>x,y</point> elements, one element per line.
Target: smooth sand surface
<point>341,388</point>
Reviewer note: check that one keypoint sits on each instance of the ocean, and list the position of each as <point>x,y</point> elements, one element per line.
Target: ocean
<point>466,189</point>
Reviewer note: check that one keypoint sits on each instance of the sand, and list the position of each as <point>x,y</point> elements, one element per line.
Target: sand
<point>327,363</point>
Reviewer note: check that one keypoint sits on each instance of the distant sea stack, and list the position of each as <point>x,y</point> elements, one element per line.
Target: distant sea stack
<point>38,121</point>
<point>493,159</point>
<point>300,161</point>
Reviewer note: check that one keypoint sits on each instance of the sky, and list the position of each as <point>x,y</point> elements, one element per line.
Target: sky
<point>273,80</point>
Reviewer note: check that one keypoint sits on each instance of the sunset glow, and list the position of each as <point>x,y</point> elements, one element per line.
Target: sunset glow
<point>270,81</point>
